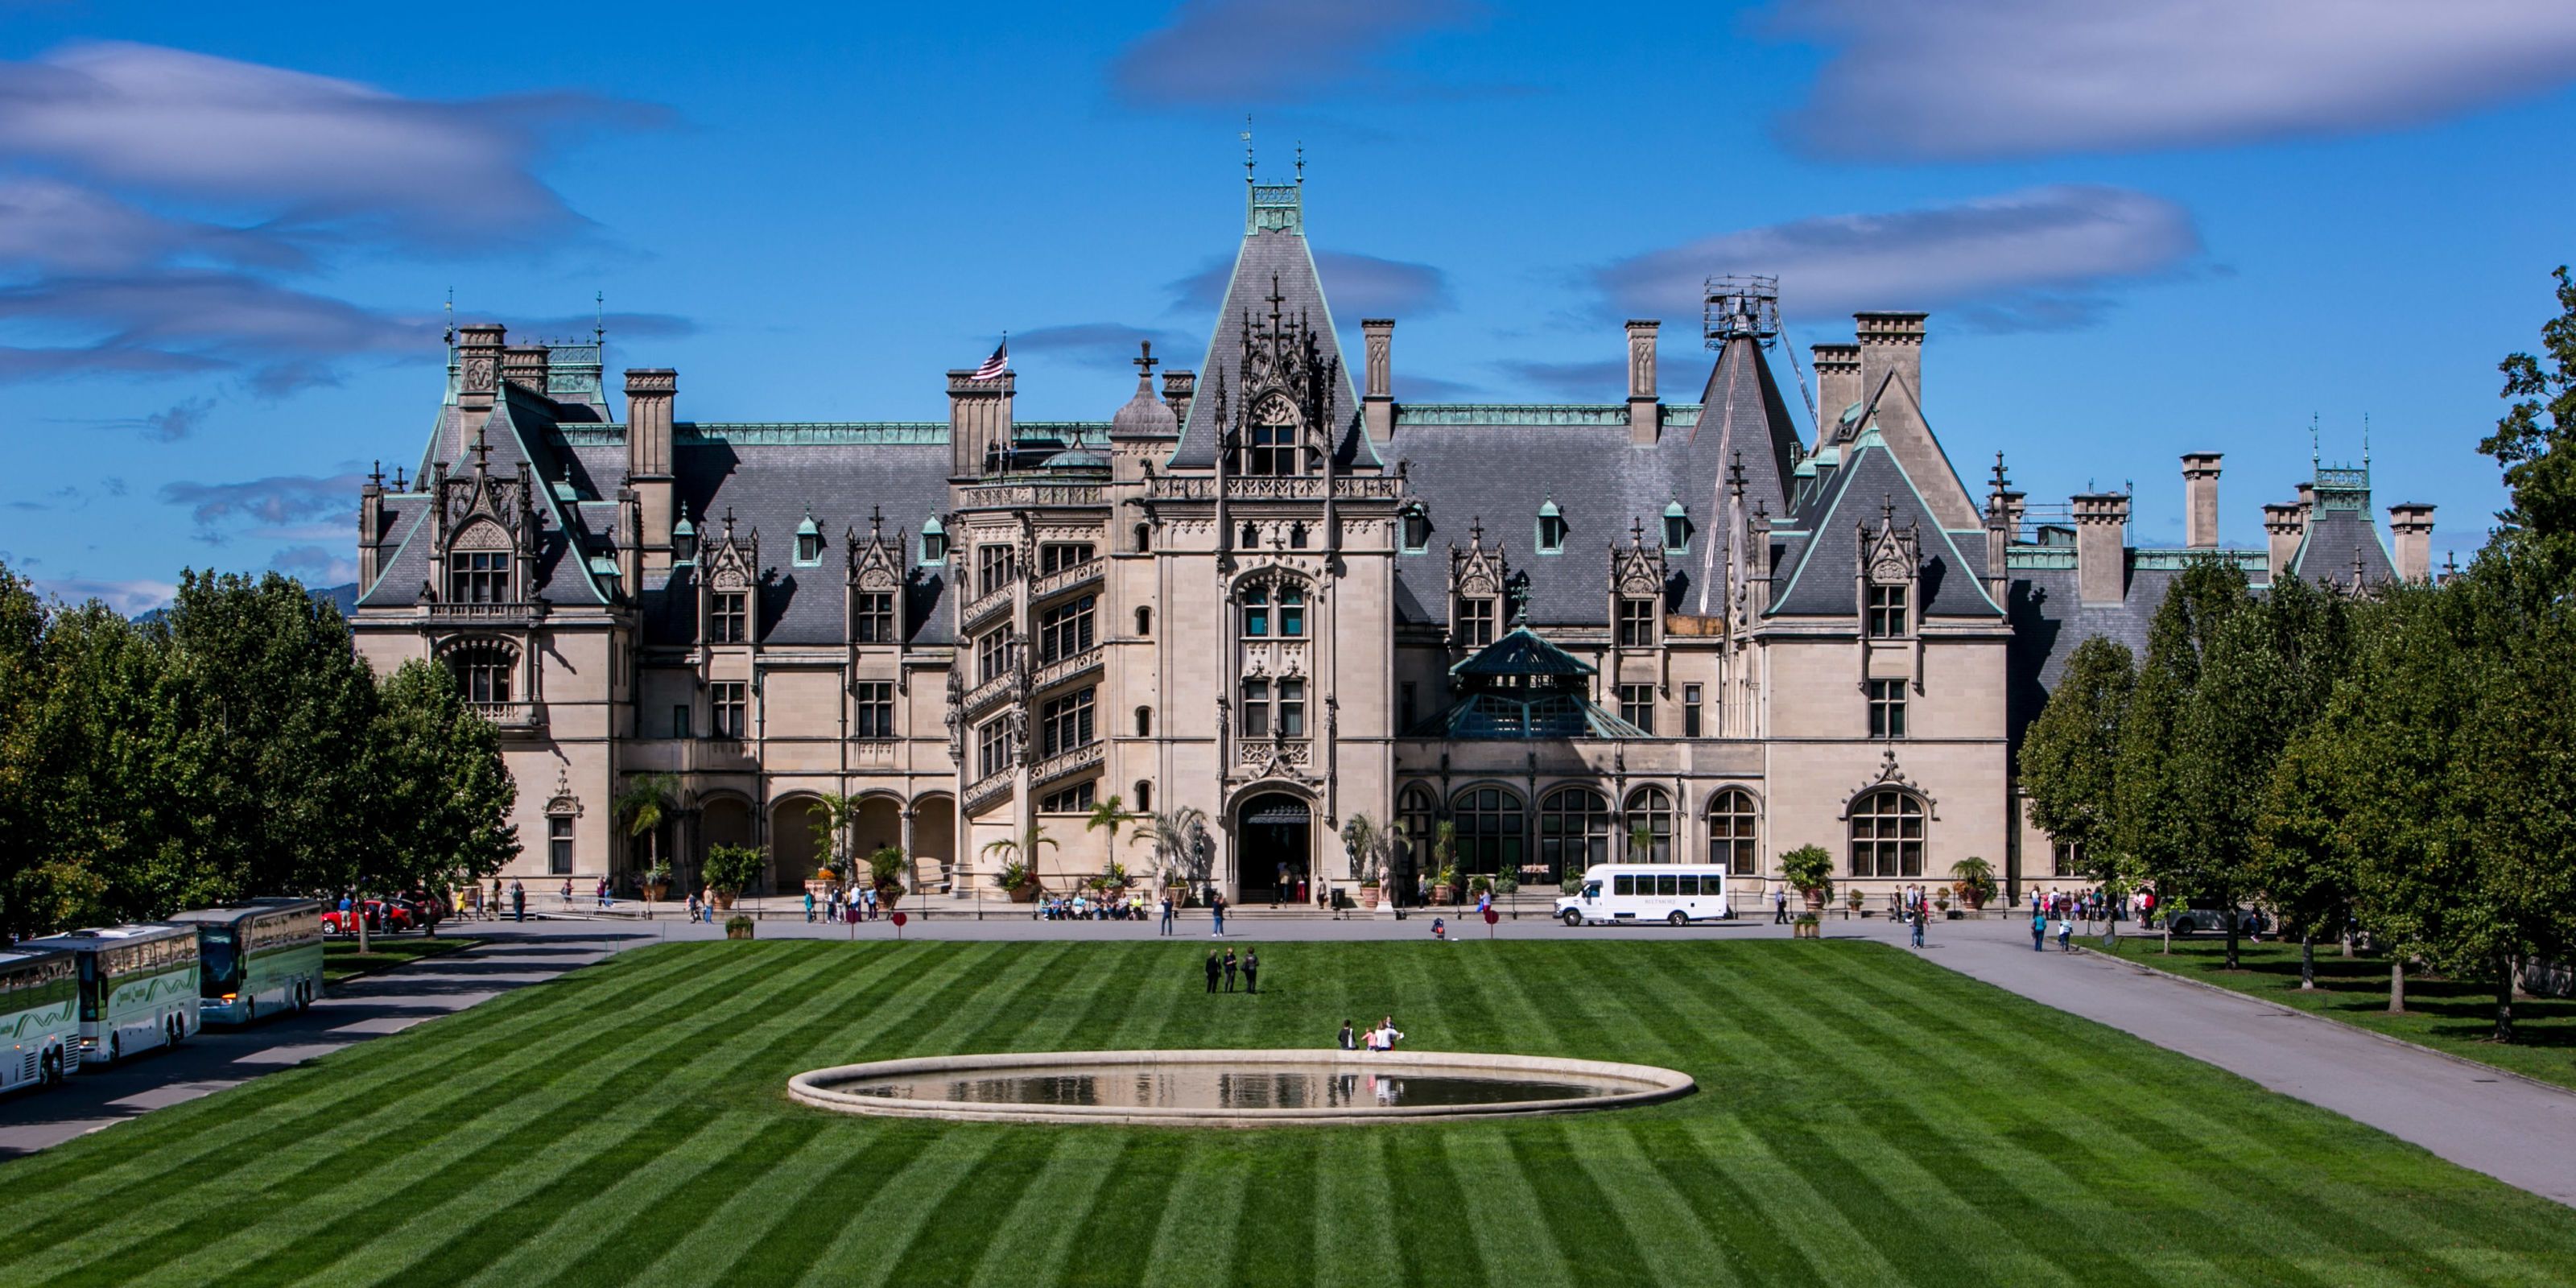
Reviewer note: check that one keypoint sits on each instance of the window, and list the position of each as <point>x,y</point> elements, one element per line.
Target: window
<point>2068,858</point>
<point>1292,708</point>
<point>1414,810</point>
<point>1637,705</point>
<point>875,624</point>
<point>1144,538</point>
<point>1274,451</point>
<point>1732,840</point>
<point>1144,622</point>
<point>1065,724</point>
<point>729,621</point>
<point>732,706</point>
<point>1296,536</point>
<point>1676,529</point>
<point>1256,708</point>
<point>479,577</point>
<point>1144,797</point>
<point>1144,722</point>
<point>1490,830</point>
<point>875,700</point>
<point>1886,612</point>
<point>1551,530</point>
<point>1650,808</point>
<point>483,672</point>
<point>1690,711</point>
<point>1887,708</point>
<point>1475,622</point>
<point>1636,623</point>
<point>995,565</point>
<point>559,846</point>
<point>992,655</point>
<point>681,725</point>
<point>1066,629</point>
<point>809,548</point>
<point>684,541</point>
<point>1292,612</point>
<point>1256,612</point>
<point>1573,830</point>
<point>1404,707</point>
<point>993,747</point>
<point>1887,835</point>
<point>1077,799</point>
<point>1417,530</point>
<point>1251,537</point>
<point>934,543</point>
<point>1060,555</point>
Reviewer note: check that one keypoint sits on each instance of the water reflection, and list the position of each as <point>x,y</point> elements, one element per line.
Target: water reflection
<point>1195,1086</point>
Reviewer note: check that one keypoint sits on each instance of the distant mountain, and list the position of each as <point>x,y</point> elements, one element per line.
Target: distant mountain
<point>344,597</point>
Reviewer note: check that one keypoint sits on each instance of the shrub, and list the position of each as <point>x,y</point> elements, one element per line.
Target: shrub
<point>738,927</point>
<point>1013,875</point>
<point>1810,869</point>
<point>732,869</point>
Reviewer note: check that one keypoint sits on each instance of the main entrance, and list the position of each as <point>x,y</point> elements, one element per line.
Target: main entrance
<point>1277,842</point>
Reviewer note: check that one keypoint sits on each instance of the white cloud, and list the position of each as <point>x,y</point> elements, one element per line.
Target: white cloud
<point>2033,259</point>
<point>1232,52</point>
<point>1911,79</point>
<point>126,597</point>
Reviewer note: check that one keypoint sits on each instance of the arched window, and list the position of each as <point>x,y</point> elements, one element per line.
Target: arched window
<point>1490,830</point>
<point>1676,529</point>
<point>1296,536</point>
<point>1734,841</point>
<point>1415,811</point>
<point>1573,830</point>
<point>484,671</point>
<point>1144,537</point>
<point>934,542</point>
<point>1144,621</point>
<point>1251,537</point>
<point>1650,808</point>
<point>1256,612</point>
<point>1292,611</point>
<point>1144,797</point>
<point>1144,722</point>
<point>1887,835</point>
<point>1551,529</point>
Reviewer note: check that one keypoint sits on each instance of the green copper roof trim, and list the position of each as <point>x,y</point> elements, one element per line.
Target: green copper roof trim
<point>884,433</point>
<point>2252,561</point>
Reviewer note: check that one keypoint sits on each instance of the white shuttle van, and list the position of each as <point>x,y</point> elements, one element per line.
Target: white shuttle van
<point>1622,893</point>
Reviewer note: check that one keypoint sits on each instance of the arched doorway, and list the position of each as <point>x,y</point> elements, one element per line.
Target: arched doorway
<point>1274,838</point>
<point>934,841</point>
<point>795,845</point>
<point>877,825</point>
<point>722,820</point>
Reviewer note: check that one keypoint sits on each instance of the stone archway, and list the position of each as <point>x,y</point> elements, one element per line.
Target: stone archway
<point>795,851</point>
<point>934,841</point>
<point>875,825</point>
<point>1274,846</point>
<point>722,820</point>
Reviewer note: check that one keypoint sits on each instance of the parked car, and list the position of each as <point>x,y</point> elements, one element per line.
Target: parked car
<point>383,916</point>
<point>2204,916</point>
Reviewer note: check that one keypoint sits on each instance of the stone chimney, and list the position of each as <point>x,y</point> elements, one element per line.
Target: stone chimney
<point>2101,547</point>
<point>1837,384</point>
<point>2200,500</point>
<point>650,393</point>
<point>1645,413</point>
<point>2411,524</point>
<point>979,419</point>
<point>371,528</point>
<point>1178,388</point>
<point>2283,524</point>
<point>1890,344</point>
<point>478,379</point>
<point>524,365</point>
<point>1377,402</point>
<point>2307,500</point>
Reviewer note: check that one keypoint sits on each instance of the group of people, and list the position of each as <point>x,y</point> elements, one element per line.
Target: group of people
<point>1915,907</point>
<point>1382,1038</point>
<point>1082,907</point>
<point>838,905</point>
<point>1226,966</point>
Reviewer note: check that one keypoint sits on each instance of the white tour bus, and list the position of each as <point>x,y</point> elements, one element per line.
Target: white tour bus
<point>39,1014</point>
<point>138,987</point>
<point>256,958</point>
<point>1617,893</point>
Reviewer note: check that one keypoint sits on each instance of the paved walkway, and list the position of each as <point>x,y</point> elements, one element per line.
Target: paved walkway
<point>359,1010</point>
<point>2518,1132</point>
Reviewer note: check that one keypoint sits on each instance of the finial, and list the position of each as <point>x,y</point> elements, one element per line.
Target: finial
<point>1276,299</point>
<point>1247,149</point>
<point>1886,509</point>
<point>1301,163</point>
<point>599,317</point>
<point>450,338</point>
<point>1476,531</point>
<point>2316,457</point>
<point>399,485</point>
<point>2365,440</point>
<point>728,523</point>
<point>876,521</point>
<point>1735,475</point>
<point>482,447</point>
<point>1636,532</point>
<point>1144,360</point>
<point>2001,483</point>
<point>376,473</point>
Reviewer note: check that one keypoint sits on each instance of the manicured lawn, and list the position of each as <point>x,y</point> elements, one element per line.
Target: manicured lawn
<point>1863,1118</point>
<point>2446,1015</point>
<point>342,960</point>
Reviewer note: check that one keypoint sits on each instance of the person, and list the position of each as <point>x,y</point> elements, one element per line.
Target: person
<point>693,907</point>
<point>1387,1035</point>
<point>1916,917</point>
<point>496,898</point>
<point>1780,906</point>
<point>1214,969</point>
<point>1231,966</point>
<point>1167,912</point>
<point>1439,928</point>
<point>1349,1043</point>
<point>1216,909</point>
<point>1484,900</point>
<point>1277,890</point>
<point>809,907</point>
<point>2065,934</point>
<point>1252,970</point>
<point>2038,926</point>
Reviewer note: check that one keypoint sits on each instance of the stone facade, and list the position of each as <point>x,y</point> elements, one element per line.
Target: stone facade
<point>1279,597</point>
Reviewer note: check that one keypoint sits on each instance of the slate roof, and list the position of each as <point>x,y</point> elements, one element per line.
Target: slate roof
<point>1269,254</point>
<point>2335,538</point>
<point>1869,486</point>
<point>521,428</point>
<point>2049,620</point>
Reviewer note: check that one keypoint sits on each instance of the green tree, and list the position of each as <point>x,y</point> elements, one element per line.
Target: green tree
<point>732,869</point>
<point>441,795</point>
<point>648,801</point>
<point>1020,853</point>
<point>2532,439</point>
<point>2070,756</point>
<point>1109,816</point>
<point>1179,837</point>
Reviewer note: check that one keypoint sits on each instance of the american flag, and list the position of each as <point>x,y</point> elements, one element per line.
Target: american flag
<point>995,365</point>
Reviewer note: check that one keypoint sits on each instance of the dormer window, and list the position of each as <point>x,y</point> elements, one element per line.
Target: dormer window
<point>684,541</point>
<point>1476,621</point>
<point>1551,529</point>
<point>1417,530</point>
<point>1887,612</point>
<point>809,542</point>
<point>1274,451</point>
<point>729,622</point>
<point>934,543</point>
<point>1636,623</point>
<point>1676,529</point>
<point>479,577</point>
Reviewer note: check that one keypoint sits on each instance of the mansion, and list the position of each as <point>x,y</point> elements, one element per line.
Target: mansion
<point>1269,595</point>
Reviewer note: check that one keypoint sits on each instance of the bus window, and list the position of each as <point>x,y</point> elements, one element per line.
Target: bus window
<point>220,962</point>
<point>1623,885</point>
<point>89,963</point>
<point>1690,885</point>
<point>1667,885</point>
<point>1591,889</point>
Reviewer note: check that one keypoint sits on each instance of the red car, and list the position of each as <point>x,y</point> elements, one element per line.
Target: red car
<point>382,916</point>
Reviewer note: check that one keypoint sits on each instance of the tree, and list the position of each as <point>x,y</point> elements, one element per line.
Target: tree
<point>2304,847</point>
<point>1109,816</point>
<point>732,869</point>
<point>2177,784</point>
<point>1374,847</point>
<point>1179,838</point>
<point>649,800</point>
<point>2533,439</point>
<point>831,823</point>
<point>440,794</point>
<point>2070,756</point>
<point>1023,851</point>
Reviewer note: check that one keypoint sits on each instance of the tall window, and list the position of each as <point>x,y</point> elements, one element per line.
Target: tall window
<point>1490,835</point>
<point>1292,612</point>
<point>992,655</point>
<point>1065,723</point>
<point>1887,708</point>
<point>1676,529</point>
<point>1652,809</point>
<point>479,577</point>
<point>1292,708</point>
<point>1144,722</point>
<point>732,707</point>
<point>1690,711</point>
<point>1887,835</point>
<point>1886,612</point>
<point>1144,622</point>
<point>995,564</point>
<point>1404,706</point>
<point>1417,530</point>
<point>1256,612</point>
<point>809,548</point>
<point>875,623</point>
<point>2067,858</point>
<point>1637,705</point>
<point>1144,538</point>
<point>1056,556</point>
<point>1274,451</point>
<point>993,747</point>
<point>934,543</point>
<point>483,672</point>
<point>875,699</point>
<point>559,846</point>
<point>729,622</point>
<point>1733,843</point>
<point>1636,623</point>
<point>1415,810</point>
<point>1066,629</point>
<point>681,725</point>
<point>1296,536</point>
<point>1573,830</point>
<point>1256,708</point>
<point>1077,799</point>
<point>1476,622</point>
<point>1144,797</point>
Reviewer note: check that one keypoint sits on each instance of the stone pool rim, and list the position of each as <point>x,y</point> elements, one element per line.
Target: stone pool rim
<point>1648,1085</point>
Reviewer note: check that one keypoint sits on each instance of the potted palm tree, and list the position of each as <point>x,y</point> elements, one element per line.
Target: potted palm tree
<point>885,872</point>
<point>649,800</point>
<point>1444,860</point>
<point>1374,847</point>
<point>1110,816</point>
<point>657,880</point>
<point>1019,874</point>
<point>1974,879</point>
<point>1178,837</point>
<point>1810,871</point>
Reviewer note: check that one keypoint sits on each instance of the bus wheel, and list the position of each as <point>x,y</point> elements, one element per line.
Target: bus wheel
<point>1573,918</point>
<point>1679,918</point>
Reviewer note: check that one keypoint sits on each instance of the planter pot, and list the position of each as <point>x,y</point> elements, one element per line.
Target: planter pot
<point>1815,901</point>
<point>738,932</point>
<point>1806,930</point>
<point>1026,893</point>
<point>1440,894</point>
<point>887,894</point>
<point>724,900</point>
<point>657,890</point>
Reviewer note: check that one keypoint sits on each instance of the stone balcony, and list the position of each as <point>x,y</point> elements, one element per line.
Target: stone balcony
<point>1065,671</point>
<point>983,609</point>
<point>1167,487</point>
<point>1067,764</point>
<point>984,792</point>
<point>1065,581</point>
<point>514,719</point>
<point>988,695</point>
<point>438,613</point>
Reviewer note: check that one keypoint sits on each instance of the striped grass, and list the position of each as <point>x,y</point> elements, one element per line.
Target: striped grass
<point>1863,1118</point>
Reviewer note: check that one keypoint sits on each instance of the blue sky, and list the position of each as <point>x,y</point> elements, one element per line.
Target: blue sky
<point>227,233</point>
